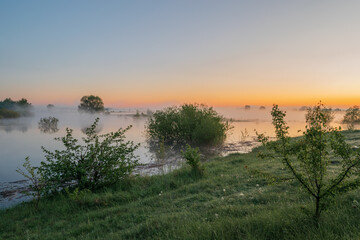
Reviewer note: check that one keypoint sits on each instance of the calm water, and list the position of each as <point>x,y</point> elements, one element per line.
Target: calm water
<point>22,137</point>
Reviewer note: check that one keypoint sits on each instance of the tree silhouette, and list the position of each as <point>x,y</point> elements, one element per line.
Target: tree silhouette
<point>91,104</point>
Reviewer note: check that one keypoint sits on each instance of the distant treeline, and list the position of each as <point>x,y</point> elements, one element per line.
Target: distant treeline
<point>14,109</point>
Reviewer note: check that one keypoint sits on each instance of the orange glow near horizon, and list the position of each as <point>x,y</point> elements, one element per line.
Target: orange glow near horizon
<point>216,101</point>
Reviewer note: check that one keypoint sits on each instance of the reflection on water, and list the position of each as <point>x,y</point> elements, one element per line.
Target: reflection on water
<point>23,137</point>
<point>19,124</point>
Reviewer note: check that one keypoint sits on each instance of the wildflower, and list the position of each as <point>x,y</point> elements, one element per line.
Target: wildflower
<point>224,190</point>
<point>241,194</point>
<point>222,198</point>
<point>216,215</point>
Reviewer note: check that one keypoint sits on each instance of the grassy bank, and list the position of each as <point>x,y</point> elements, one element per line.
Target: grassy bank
<point>228,202</point>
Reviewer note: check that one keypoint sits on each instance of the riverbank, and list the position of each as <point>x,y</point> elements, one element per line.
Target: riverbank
<point>228,202</point>
<point>12,193</point>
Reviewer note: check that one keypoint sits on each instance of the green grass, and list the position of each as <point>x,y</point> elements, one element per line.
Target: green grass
<point>180,205</point>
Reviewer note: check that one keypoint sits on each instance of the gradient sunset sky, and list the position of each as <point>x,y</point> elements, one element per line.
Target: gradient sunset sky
<point>221,53</point>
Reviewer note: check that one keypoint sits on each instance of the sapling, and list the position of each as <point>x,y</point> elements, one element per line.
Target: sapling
<point>193,157</point>
<point>308,159</point>
<point>37,183</point>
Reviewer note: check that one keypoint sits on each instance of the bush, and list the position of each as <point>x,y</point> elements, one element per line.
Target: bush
<point>48,125</point>
<point>102,160</point>
<point>308,158</point>
<point>5,113</point>
<point>14,109</point>
<point>352,116</point>
<point>189,123</point>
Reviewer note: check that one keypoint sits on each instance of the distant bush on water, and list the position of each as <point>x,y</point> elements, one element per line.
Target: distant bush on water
<point>91,104</point>
<point>352,116</point>
<point>14,109</point>
<point>48,125</point>
<point>188,123</point>
<point>6,113</point>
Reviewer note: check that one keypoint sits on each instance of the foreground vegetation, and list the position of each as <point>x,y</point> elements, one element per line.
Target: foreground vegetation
<point>308,158</point>
<point>229,201</point>
<point>92,162</point>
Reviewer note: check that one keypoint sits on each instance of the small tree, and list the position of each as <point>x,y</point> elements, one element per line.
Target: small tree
<point>37,184</point>
<point>326,115</point>
<point>91,104</point>
<point>102,160</point>
<point>352,116</point>
<point>192,157</point>
<point>308,158</point>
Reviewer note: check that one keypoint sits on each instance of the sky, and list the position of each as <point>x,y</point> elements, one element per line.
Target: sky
<point>220,53</point>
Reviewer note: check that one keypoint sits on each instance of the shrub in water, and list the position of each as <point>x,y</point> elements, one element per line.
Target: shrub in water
<point>189,123</point>
<point>91,104</point>
<point>308,158</point>
<point>48,125</point>
<point>13,109</point>
<point>352,116</point>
